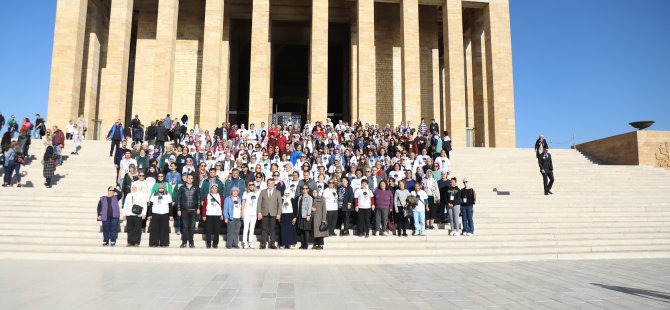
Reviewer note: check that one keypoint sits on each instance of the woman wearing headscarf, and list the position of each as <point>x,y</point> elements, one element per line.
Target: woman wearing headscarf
<point>49,162</point>
<point>304,219</point>
<point>433,190</point>
<point>160,218</point>
<point>212,214</point>
<point>288,219</point>
<point>319,212</point>
<point>232,212</point>
<point>134,211</point>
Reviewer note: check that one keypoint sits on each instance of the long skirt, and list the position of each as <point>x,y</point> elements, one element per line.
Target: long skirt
<point>287,231</point>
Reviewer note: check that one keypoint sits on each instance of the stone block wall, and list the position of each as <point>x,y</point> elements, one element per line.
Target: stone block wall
<point>645,148</point>
<point>388,48</point>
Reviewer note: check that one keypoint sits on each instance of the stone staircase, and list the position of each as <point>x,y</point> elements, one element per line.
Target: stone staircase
<point>597,212</point>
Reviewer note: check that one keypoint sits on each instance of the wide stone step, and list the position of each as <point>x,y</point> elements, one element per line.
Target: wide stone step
<point>377,242</point>
<point>221,256</point>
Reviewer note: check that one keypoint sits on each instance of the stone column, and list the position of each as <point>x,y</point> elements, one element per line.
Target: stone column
<point>92,69</point>
<point>224,79</point>
<point>318,62</point>
<point>480,85</point>
<point>210,107</point>
<point>166,41</point>
<point>454,82</point>
<point>500,78</point>
<point>411,68</point>
<point>259,80</point>
<point>367,81</point>
<point>354,69</point>
<point>66,63</point>
<point>114,85</point>
<point>469,91</point>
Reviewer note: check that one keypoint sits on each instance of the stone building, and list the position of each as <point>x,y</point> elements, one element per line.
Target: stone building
<point>383,61</point>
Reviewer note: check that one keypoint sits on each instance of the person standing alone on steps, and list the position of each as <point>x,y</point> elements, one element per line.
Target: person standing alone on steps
<point>547,170</point>
<point>115,135</point>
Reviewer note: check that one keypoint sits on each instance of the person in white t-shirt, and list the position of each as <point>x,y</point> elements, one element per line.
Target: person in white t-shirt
<point>420,210</point>
<point>365,203</point>
<point>330,195</point>
<point>212,214</point>
<point>249,211</point>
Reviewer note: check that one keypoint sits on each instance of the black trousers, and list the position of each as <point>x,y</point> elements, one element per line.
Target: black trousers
<point>318,240</point>
<point>269,224</point>
<point>134,229</point>
<point>114,145</point>
<point>400,223</point>
<point>212,229</point>
<point>346,220</point>
<point>188,220</point>
<point>364,218</point>
<point>160,230</point>
<point>331,218</point>
<point>548,180</point>
<point>304,238</point>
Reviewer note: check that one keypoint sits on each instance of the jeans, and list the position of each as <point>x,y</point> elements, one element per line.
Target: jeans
<point>419,222</point>
<point>468,224</point>
<point>36,133</point>
<point>233,232</point>
<point>381,219</point>
<point>188,220</point>
<point>454,214</point>
<point>57,151</point>
<point>109,230</point>
<point>9,170</point>
<point>248,230</point>
<point>75,140</point>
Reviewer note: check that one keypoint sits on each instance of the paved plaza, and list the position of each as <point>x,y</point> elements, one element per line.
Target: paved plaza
<point>593,284</point>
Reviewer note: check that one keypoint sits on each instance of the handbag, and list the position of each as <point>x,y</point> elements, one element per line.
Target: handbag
<point>137,209</point>
<point>406,212</point>
<point>323,226</point>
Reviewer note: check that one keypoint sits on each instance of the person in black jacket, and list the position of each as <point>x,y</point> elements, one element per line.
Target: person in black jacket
<point>188,201</point>
<point>468,198</point>
<point>346,204</point>
<point>540,146</point>
<point>161,136</point>
<point>150,135</point>
<point>547,170</point>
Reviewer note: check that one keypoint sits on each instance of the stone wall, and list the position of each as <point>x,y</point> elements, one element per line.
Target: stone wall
<point>388,49</point>
<point>645,148</point>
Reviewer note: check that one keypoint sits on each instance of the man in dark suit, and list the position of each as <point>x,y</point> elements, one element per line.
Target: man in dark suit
<point>547,170</point>
<point>269,211</point>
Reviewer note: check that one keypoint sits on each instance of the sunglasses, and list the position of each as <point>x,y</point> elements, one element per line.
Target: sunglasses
<point>141,175</point>
<point>275,175</point>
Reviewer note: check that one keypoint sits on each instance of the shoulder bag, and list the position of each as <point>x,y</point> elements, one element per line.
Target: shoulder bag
<point>137,209</point>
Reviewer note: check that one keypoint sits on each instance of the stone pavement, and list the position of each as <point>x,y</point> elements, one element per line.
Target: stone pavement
<point>589,284</point>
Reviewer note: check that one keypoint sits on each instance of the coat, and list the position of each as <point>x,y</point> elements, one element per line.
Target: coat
<point>49,161</point>
<point>318,217</point>
<point>270,205</point>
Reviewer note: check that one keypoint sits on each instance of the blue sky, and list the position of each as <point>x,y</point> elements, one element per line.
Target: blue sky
<point>582,67</point>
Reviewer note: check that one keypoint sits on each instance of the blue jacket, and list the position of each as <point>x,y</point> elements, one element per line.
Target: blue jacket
<point>114,129</point>
<point>228,207</point>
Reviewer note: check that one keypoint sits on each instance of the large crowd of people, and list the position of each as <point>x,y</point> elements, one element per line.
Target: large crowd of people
<point>311,180</point>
